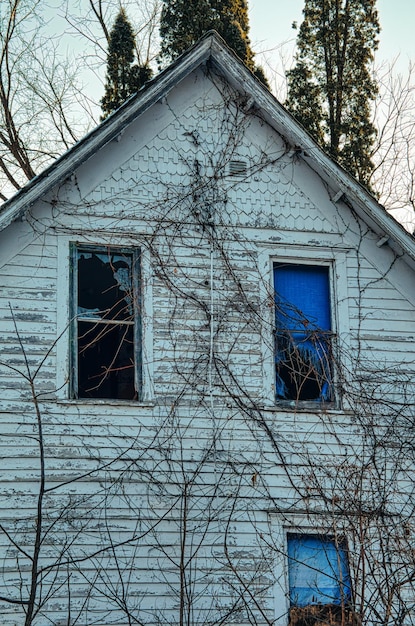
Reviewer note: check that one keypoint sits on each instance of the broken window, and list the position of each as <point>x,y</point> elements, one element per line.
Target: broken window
<point>303,332</point>
<point>106,355</point>
<point>319,581</point>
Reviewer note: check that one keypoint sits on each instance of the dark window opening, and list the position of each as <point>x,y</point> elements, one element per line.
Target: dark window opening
<point>319,581</point>
<point>303,334</point>
<point>105,355</point>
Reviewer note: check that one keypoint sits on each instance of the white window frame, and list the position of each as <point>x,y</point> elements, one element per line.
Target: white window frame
<point>281,527</point>
<point>65,311</point>
<point>336,260</point>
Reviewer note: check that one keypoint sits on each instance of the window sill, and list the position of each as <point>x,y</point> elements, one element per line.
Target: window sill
<point>288,406</point>
<point>308,405</point>
<point>106,402</point>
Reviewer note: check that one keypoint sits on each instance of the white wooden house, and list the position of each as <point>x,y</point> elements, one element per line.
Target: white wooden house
<point>207,353</point>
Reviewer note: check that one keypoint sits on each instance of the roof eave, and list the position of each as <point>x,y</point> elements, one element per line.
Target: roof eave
<point>346,187</point>
<point>104,133</point>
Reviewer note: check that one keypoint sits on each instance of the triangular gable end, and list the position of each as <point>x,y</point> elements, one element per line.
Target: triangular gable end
<point>211,49</point>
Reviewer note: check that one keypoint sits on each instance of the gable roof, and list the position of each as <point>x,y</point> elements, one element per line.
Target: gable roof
<point>213,50</point>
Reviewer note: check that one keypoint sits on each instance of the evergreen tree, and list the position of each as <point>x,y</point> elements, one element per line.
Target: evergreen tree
<point>181,26</point>
<point>330,88</point>
<point>123,78</point>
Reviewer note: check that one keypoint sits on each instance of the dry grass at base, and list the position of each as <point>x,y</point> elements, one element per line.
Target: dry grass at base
<point>323,615</point>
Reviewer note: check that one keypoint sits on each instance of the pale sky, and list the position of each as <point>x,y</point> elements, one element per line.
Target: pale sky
<point>271,22</point>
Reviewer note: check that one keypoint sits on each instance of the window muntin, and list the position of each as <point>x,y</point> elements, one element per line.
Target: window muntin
<point>303,354</point>
<point>318,571</point>
<point>106,355</point>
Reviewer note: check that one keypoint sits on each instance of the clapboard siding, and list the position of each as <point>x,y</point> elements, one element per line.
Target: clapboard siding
<point>209,437</point>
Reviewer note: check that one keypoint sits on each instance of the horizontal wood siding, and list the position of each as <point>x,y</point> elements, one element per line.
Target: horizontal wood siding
<point>208,461</point>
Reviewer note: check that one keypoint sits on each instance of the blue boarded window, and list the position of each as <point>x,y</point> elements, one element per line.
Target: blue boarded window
<point>303,332</point>
<point>318,571</point>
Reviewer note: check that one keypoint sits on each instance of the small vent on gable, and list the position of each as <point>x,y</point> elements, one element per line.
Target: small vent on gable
<point>237,168</point>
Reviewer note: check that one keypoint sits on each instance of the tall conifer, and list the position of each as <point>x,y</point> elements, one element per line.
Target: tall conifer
<point>330,88</point>
<point>123,78</point>
<point>183,24</point>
